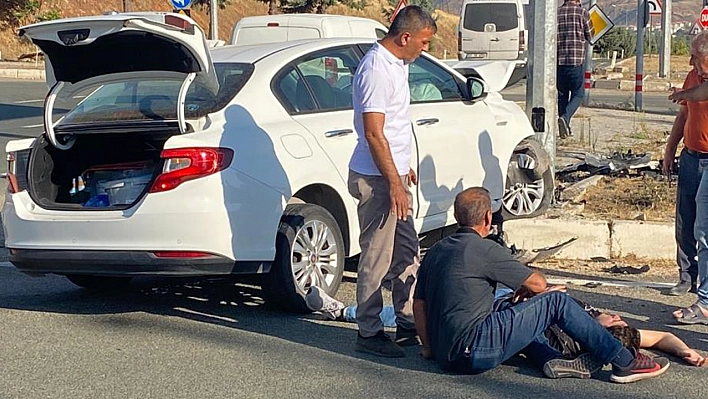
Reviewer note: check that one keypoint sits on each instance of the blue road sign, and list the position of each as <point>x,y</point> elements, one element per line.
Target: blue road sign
<point>180,4</point>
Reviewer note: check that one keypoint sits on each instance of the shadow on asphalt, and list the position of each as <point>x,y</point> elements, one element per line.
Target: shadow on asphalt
<point>240,306</point>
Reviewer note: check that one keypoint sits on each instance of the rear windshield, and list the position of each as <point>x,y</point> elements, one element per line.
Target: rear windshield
<point>136,99</point>
<point>503,15</point>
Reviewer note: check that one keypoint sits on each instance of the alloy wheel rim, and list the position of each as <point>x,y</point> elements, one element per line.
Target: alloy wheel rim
<point>314,256</point>
<point>523,199</point>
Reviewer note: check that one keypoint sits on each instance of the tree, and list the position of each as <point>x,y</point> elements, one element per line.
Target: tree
<point>317,6</point>
<point>426,5</point>
<point>617,39</point>
<point>14,13</point>
<point>272,6</point>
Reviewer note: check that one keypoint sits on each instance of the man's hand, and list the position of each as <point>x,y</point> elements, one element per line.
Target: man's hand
<point>399,201</point>
<point>669,156</point>
<point>411,179</point>
<point>678,96</point>
<point>557,287</point>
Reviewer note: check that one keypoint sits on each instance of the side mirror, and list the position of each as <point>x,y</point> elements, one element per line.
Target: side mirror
<point>475,89</point>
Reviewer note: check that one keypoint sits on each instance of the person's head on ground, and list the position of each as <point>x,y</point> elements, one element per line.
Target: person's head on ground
<point>410,33</point>
<point>699,54</point>
<point>473,208</point>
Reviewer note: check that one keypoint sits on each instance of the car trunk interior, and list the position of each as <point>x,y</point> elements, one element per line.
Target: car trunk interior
<point>101,171</point>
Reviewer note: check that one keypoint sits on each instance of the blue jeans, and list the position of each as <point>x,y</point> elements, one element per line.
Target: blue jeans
<point>690,173</point>
<point>505,333</point>
<point>700,230</point>
<point>571,88</point>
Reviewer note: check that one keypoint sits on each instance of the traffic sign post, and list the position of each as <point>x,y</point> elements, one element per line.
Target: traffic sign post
<point>401,5</point>
<point>703,18</point>
<point>181,4</point>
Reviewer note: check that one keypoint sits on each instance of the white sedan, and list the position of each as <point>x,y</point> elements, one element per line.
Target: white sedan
<point>161,156</point>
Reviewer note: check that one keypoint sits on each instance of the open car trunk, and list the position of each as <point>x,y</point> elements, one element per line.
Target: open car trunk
<point>108,171</point>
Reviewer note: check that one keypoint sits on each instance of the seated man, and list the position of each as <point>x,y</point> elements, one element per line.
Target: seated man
<point>453,308</point>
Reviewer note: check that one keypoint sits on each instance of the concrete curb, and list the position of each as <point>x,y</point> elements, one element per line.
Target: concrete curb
<point>608,239</point>
<point>25,74</point>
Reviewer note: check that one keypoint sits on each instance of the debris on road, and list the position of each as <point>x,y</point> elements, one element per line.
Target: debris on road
<point>617,269</point>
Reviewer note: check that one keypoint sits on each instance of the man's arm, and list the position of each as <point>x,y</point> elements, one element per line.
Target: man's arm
<point>381,153</point>
<point>669,343</point>
<point>695,93</point>
<point>421,325</point>
<point>587,26</point>
<point>674,139</point>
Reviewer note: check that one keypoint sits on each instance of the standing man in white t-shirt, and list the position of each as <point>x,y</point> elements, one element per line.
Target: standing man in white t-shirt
<point>380,175</point>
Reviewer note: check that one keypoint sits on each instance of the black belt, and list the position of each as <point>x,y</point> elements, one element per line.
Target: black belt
<point>699,155</point>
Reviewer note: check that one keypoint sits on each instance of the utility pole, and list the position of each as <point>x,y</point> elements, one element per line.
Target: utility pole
<point>214,20</point>
<point>639,78</point>
<point>541,93</point>
<point>588,67</point>
<point>666,30</point>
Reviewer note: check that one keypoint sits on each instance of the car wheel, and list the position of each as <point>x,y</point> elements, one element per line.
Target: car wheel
<point>99,282</point>
<point>529,183</point>
<point>309,251</point>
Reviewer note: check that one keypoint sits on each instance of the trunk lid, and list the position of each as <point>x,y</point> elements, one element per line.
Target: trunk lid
<point>110,47</point>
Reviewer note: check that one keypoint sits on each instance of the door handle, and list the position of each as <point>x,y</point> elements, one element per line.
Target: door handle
<point>340,132</point>
<point>496,39</point>
<point>427,121</point>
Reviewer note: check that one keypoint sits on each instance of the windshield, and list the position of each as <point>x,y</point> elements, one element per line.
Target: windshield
<point>143,99</point>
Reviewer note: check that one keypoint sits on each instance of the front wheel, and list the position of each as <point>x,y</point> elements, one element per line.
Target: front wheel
<point>529,183</point>
<point>309,252</point>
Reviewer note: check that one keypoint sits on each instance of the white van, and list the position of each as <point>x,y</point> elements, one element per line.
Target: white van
<point>288,27</point>
<point>492,30</point>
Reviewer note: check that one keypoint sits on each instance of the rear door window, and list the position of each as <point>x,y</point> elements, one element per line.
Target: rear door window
<point>503,15</point>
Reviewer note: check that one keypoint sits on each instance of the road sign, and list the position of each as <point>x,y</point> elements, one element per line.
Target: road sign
<point>181,4</point>
<point>703,18</point>
<point>401,5</point>
<point>655,7</point>
<point>184,11</point>
<point>695,29</point>
<point>601,23</point>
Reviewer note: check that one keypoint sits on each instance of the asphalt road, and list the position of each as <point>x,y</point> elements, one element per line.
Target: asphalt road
<point>212,338</point>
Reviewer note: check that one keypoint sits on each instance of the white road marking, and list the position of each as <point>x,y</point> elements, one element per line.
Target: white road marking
<point>29,101</point>
<point>611,283</point>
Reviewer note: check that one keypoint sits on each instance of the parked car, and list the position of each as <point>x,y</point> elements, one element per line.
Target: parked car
<point>288,27</point>
<point>494,30</point>
<point>179,160</point>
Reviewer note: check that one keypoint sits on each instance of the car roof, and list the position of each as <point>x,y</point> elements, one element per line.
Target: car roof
<point>253,53</point>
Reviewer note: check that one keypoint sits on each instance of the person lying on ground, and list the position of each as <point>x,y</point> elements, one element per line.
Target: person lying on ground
<point>454,316</point>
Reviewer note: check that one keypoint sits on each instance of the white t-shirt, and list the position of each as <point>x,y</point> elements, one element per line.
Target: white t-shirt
<point>381,85</point>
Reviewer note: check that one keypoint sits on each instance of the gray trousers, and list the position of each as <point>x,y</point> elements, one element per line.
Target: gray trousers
<point>389,254</point>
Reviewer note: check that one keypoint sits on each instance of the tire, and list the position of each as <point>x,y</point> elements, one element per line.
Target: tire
<point>297,267</point>
<point>99,282</point>
<point>529,182</point>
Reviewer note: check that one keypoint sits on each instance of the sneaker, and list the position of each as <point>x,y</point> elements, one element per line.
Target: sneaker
<point>379,345</point>
<point>318,301</point>
<point>406,336</point>
<point>642,367</point>
<point>581,367</point>
<point>682,288</point>
<point>563,128</point>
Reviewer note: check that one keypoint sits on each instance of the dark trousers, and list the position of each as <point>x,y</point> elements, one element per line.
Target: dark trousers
<point>688,181</point>
<point>571,88</point>
<point>505,333</point>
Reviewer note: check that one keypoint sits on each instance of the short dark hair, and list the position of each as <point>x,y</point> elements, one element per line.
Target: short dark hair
<point>411,19</point>
<point>471,205</point>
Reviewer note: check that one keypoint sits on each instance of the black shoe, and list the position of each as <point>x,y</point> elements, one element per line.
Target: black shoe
<point>581,367</point>
<point>406,336</point>
<point>379,345</point>
<point>563,128</point>
<point>642,367</point>
<point>682,288</point>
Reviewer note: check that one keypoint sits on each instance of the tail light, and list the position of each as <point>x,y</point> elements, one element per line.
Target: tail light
<point>459,41</point>
<point>12,173</point>
<point>184,164</point>
<point>181,254</point>
<point>177,21</point>
<point>522,40</point>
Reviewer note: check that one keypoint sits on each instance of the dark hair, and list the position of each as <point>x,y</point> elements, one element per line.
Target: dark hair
<point>628,336</point>
<point>411,19</point>
<point>471,205</point>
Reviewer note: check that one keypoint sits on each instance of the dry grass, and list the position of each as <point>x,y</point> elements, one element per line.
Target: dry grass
<point>445,41</point>
<point>631,198</point>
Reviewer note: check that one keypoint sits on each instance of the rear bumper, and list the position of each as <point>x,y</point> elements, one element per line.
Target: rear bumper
<point>127,263</point>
